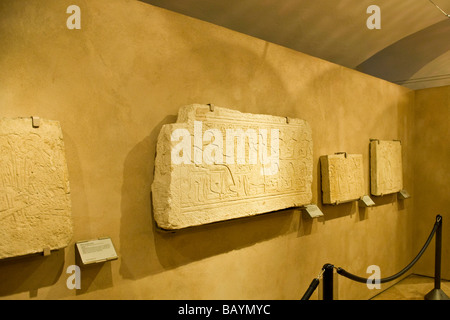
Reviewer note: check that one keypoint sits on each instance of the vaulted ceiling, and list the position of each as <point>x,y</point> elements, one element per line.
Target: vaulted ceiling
<point>412,47</point>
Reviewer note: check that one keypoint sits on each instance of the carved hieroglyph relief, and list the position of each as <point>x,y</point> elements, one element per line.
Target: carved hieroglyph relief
<point>35,207</point>
<point>342,178</point>
<point>385,167</point>
<point>217,164</point>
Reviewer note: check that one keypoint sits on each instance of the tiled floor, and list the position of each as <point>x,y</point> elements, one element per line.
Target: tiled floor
<point>413,287</point>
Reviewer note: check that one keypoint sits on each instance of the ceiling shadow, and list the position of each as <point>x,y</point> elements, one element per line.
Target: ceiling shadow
<point>401,60</point>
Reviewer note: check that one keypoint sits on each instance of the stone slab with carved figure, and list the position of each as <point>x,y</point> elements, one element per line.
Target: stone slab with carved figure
<point>217,164</point>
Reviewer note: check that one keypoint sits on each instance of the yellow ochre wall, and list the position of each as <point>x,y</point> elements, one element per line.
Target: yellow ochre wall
<point>115,82</point>
<point>431,161</point>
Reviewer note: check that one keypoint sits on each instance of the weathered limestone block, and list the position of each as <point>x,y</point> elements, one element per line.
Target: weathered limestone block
<point>342,178</point>
<point>217,164</point>
<point>35,206</point>
<point>385,167</point>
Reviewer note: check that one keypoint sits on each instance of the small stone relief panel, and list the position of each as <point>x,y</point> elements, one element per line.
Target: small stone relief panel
<point>386,171</point>
<point>217,164</point>
<point>35,206</point>
<point>342,178</point>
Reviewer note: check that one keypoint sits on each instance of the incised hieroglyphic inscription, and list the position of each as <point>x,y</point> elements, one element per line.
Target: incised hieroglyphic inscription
<point>385,167</point>
<point>35,207</point>
<point>217,164</point>
<point>342,178</point>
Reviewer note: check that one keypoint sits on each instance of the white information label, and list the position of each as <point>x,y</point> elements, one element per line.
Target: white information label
<point>403,194</point>
<point>94,251</point>
<point>313,211</point>
<point>366,201</point>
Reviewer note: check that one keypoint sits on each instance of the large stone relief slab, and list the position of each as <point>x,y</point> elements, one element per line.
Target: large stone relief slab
<point>35,207</point>
<point>342,178</point>
<point>217,164</point>
<point>385,167</point>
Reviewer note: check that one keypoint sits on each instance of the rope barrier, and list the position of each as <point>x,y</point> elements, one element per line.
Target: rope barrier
<point>353,277</point>
<point>356,278</point>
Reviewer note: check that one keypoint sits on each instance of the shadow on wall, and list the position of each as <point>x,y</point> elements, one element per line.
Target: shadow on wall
<point>185,246</point>
<point>30,273</point>
<point>393,64</point>
<point>137,254</point>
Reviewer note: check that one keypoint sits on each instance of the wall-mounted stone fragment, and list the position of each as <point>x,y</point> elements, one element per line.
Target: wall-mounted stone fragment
<point>217,164</point>
<point>35,206</point>
<point>386,173</point>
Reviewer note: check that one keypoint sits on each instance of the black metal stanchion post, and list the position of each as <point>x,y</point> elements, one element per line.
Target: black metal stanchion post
<point>437,293</point>
<point>328,281</point>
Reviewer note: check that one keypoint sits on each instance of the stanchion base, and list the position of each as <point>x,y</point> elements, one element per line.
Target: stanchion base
<point>436,294</point>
